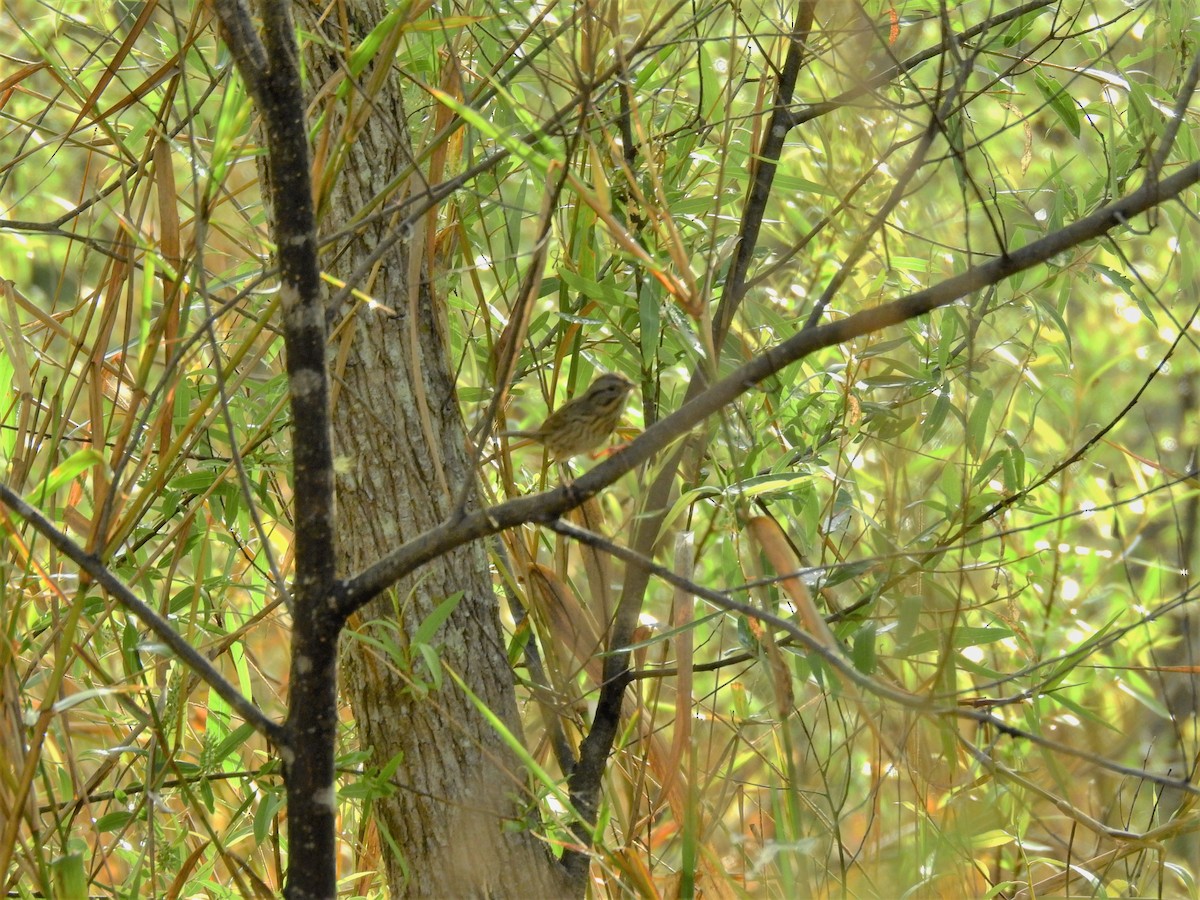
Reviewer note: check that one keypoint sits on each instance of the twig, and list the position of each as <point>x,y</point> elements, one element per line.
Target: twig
<point>189,655</point>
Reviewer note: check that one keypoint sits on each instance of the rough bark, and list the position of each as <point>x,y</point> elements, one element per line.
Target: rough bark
<point>400,444</point>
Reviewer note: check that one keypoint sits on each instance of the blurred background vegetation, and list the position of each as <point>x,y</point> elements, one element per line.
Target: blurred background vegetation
<point>994,506</point>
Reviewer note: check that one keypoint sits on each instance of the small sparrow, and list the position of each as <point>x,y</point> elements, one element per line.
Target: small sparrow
<point>584,423</point>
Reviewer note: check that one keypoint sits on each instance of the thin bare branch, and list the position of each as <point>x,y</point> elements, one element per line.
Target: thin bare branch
<point>549,505</point>
<point>189,655</point>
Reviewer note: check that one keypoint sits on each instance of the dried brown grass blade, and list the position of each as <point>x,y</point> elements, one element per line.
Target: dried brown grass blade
<point>170,246</point>
<point>114,65</point>
<point>570,624</point>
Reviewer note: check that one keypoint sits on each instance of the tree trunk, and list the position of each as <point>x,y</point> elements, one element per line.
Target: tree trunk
<point>400,447</point>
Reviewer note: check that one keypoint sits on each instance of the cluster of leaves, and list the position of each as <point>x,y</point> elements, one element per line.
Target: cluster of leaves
<point>915,474</point>
<point>145,418</point>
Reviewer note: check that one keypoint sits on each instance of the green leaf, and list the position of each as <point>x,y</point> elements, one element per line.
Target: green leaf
<point>1020,27</point>
<point>607,292</point>
<point>429,627</point>
<point>650,323</point>
<point>1060,101</point>
<point>63,474</point>
<point>517,746</point>
<point>270,803</point>
<point>232,741</point>
<point>433,662</point>
<point>977,425</point>
<point>113,821</point>
<point>984,473</point>
<point>505,137</point>
<point>862,648</point>
<point>130,639</point>
<point>768,484</point>
<point>69,877</point>
<point>937,416</point>
<point>367,49</point>
<point>964,636</point>
<point>73,700</point>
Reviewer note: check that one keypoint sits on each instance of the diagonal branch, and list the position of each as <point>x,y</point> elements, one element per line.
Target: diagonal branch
<point>189,655</point>
<point>547,506</point>
<point>768,155</point>
<point>854,678</point>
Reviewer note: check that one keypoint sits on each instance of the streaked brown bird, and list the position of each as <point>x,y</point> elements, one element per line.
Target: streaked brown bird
<point>584,423</point>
